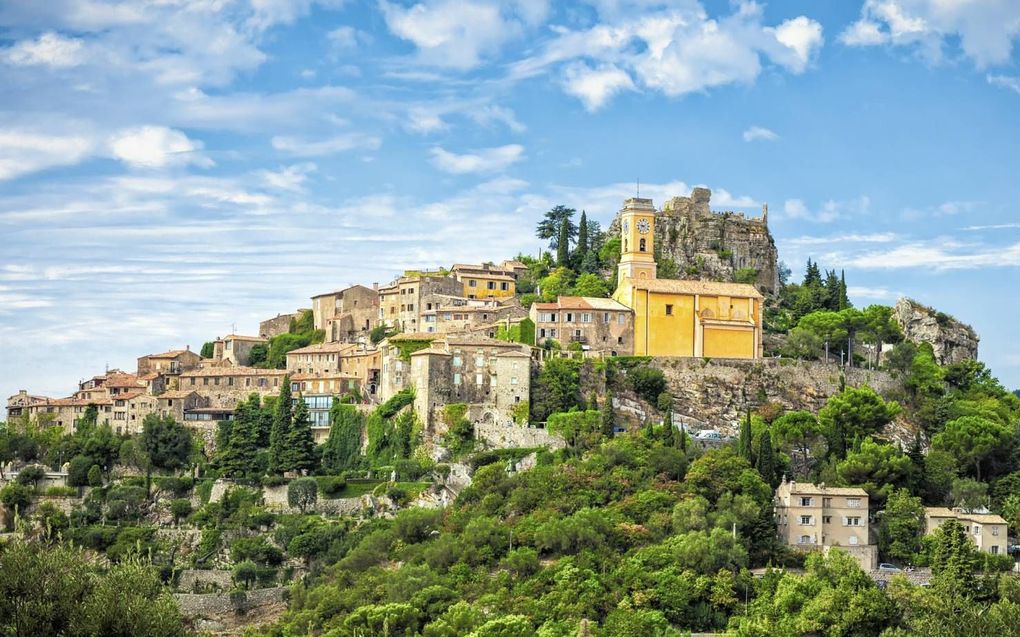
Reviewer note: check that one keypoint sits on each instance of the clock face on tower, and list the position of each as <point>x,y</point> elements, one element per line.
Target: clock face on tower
<point>643,226</point>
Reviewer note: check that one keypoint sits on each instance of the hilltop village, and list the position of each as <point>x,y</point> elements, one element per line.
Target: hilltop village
<point>454,450</point>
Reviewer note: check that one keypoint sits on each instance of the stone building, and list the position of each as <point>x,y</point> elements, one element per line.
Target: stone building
<point>235,349</point>
<point>226,386</point>
<point>681,317</point>
<point>349,359</point>
<point>280,324</point>
<point>987,531</point>
<point>401,303</point>
<point>55,412</point>
<point>130,409</point>
<point>714,246</point>
<point>318,391</point>
<point>177,402</point>
<point>817,517</point>
<point>485,280</point>
<point>346,315</point>
<point>460,314</point>
<point>601,326</point>
<point>492,377</point>
<point>173,362</point>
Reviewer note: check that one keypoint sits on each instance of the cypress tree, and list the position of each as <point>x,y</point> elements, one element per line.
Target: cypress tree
<point>766,461</point>
<point>844,300</point>
<point>563,244</point>
<point>608,421</point>
<point>746,451</point>
<point>238,458</point>
<point>342,449</point>
<point>582,236</point>
<point>668,434</point>
<point>278,435</point>
<point>299,451</point>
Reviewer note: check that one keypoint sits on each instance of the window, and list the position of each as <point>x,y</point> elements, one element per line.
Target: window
<point>853,540</point>
<point>478,380</point>
<point>513,380</point>
<point>853,503</point>
<point>570,317</point>
<point>805,520</point>
<point>472,283</point>
<point>827,502</point>
<point>605,318</point>
<point>995,531</point>
<point>826,519</point>
<point>805,502</point>
<point>995,549</point>
<point>577,333</point>
<point>642,247</point>
<point>621,319</point>
<point>977,529</point>
<point>853,520</point>
<point>491,285</point>
<point>552,333</point>
<point>669,310</point>
<point>804,539</point>
<point>504,286</point>
<point>541,332</point>
<point>457,361</point>
<point>586,317</point>
<point>456,379</point>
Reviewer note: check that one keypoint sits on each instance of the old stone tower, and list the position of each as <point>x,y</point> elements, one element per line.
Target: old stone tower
<point>714,246</point>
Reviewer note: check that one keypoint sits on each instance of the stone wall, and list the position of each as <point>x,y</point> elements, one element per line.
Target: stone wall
<point>191,580</point>
<point>712,246</point>
<point>231,613</point>
<point>276,498</point>
<point>716,393</point>
<point>280,324</point>
<point>506,436</point>
<point>951,340</point>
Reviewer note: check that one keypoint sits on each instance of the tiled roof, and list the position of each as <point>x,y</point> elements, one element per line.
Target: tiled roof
<point>234,371</point>
<point>431,351</point>
<point>982,518</point>
<point>77,402</point>
<point>583,303</point>
<point>414,336</point>
<point>122,380</point>
<point>174,353</point>
<point>238,337</point>
<point>322,348</point>
<point>807,488</point>
<point>129,395</point>
<point>474,339</point>
<point>176,394</point>
<point>514,353</point>
<point>710,288</point>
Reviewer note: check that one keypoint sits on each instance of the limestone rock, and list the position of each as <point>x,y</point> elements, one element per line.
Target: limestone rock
<point>951,340</point>
<point>712,246</point>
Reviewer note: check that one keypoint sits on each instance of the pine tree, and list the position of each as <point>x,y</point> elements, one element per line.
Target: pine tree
<point>342,450</point>
<point>766,460</point>
<point>563,244</point>
<point>844,300</point>
<point>299,451</point>
<point>590,263</point>
<point>238,458</point>
<point>282,419</point>
<point>668,432</point>
<point>833,292</point>
<point>608,422</point>
<point>812,276</point>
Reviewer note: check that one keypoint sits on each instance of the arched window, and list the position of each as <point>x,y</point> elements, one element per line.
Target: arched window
<point>625,244</point>
<point>642,248</point>
<point>707,313</point>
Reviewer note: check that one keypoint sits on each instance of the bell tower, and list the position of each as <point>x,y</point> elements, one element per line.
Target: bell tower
<point>637,240</point>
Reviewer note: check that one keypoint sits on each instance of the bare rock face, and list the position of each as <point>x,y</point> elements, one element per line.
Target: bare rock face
<point>713,246</point>
<point>951,340</point>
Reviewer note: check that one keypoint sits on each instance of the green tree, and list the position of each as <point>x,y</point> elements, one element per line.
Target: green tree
<point>901,527</point>
<point>608,418</point>
<point>765,461</point>
<point>238,459</point>
<point>877,468</point>
<point>953,558</point>
<point>342,449</point>
<point>299,449</point>
<point>590,285</point>
<point>165,441</point>
<point>16,496</point>
<point>855,412</point>
<point>797,430</point>
<point>302,493</point>
<point>208,349</point>
<point>972,440</point>
<point>552,224</point>
<point>745,440</point>
<point>282,418</point>
<point>557,388</point>
<point>582,236</point>
<point>563,244</point>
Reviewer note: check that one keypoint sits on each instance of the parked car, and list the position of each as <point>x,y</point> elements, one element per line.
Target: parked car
<point>708,434</point>
<point>886,567</point>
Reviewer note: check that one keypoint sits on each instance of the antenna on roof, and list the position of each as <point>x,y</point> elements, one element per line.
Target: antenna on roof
<point>638,187</point>
<point>233,328</point>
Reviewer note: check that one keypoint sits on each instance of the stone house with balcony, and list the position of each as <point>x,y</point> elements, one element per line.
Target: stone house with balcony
<point>599,325</point>
<point>346,359</point>
<point>56,412</point>
<point>171,363</point>
<point>346,315</point>
<point>318,391</point>
<point>402,302</point>
<point>130,409</point>
<point>987,531</point>
<point>812,517</point>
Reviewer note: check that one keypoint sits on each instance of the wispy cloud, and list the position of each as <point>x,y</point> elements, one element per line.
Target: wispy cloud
<point>482,160</point>
<point>760,134</point>
<point>1010,82</point>
<point>301,147</point>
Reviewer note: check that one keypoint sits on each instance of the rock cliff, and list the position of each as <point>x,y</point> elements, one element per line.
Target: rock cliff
<point>951,340</point>
<point>714,246</point>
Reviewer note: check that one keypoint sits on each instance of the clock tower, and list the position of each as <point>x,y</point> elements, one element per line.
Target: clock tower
<point>637,237</point>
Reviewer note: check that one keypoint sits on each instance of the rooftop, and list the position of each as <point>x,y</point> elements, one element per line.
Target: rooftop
<point>174,353</point>
<point>235,371</point>
<point>807,488</point>
<point>322,348</point>
<point>983,518</point>
<point>239,337</point>
<point>708,288</point>
<point>583,303</point>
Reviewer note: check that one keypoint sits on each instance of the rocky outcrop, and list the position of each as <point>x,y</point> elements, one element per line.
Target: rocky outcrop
<point>714,246</point>
<point>716,393</point>
<point>951,340</point>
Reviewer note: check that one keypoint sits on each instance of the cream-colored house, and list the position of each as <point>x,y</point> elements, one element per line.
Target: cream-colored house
<point>987,531</point>
<point>817,517</point>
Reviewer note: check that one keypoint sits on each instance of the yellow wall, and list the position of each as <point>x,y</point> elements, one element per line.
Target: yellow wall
<point>481,289</point>
<point>729,343</point>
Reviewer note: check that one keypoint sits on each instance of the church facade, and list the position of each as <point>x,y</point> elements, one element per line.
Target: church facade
<point>679,317</point>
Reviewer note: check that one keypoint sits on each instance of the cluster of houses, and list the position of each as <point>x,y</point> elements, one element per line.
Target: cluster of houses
<point>819,517</point>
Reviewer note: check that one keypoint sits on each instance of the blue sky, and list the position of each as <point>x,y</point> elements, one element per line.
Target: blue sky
<point>172,168</point>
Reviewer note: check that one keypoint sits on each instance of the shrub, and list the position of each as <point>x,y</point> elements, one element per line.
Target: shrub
<point>16,496</point>
<point>399,495</point>
<point>78,471</point>
<point>31,475</point>
<point>177,486</point>
<point>61,491</point>
<point>332,486</point>
<point>273,481</point>
<point>257,549</point>
<point>302,493</point>
<point>647,382</point>
<point>95,476</point>
<point>180,508</point>
<point>245,573</point>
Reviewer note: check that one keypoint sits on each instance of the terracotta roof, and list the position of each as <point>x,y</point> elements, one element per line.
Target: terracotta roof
<point>122,380</point>
<point>149,376</point>
<point>983,518</point>
<point>238,337</point>
<point>176,393</point>
<point>583,303</point>
<point>129,395</point>
<point>711,288</point>
<point>473,339</point>
<point>482,274</point>
<point>431,351</point>
<point>174,353</point>
<point>234,371</point>
<point>806,488</point>
<point>320,348</point>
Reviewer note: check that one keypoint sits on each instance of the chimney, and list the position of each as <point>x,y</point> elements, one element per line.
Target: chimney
<point>375,286</point>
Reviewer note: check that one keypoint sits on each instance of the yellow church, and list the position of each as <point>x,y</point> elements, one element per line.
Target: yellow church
<point>681,318</point>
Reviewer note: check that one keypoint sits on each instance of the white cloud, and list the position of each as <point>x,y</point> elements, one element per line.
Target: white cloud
<point>759,133</point>
<point>49,49</point>
<point>802,37</point>
<point>595,86</point>
<point>290,178</point>
<point>828,212</point>
<point>984,30</point>
<point>156,147</point>
<point>480,161</point>
<point>938,255</point>
<point>26,151</point>
<point>879,293</point>
<point>301,147</point>
<point>448,32</point>
<point>878,237</point>
<point>424,120</point>
<point>346,38</point>
<point>1010,82</point>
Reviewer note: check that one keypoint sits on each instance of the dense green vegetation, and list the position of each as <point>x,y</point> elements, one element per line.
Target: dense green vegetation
<point>273,354</point>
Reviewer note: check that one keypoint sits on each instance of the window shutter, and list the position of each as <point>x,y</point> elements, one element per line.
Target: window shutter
<point>846,521</point>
